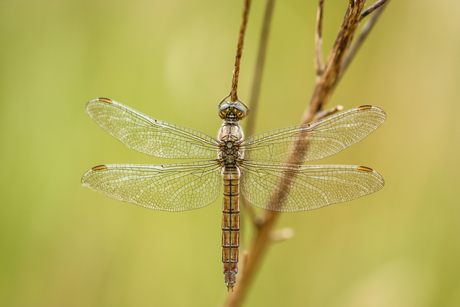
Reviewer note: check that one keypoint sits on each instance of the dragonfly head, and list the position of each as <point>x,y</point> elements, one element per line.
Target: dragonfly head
<point>232,110</point>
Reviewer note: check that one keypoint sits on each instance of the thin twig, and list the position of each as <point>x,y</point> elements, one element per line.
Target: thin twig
<point>255,93</point>
<point>326,113</point>
<point>281,234</point>
<point>319,39</point>
<point>373,7</point>
<point>250,212</point>
<point>259,69</point>
<point>359,41</point>
<point>239,52</point>
<point>324,86</point>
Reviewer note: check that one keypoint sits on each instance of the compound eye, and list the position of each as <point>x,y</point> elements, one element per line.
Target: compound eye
<point>240,112</point>
<point>223,111</point>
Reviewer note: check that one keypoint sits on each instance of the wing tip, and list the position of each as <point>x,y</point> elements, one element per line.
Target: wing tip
<point>96,100</point>
<point>373,108</point>
<point>88,174</point>
<point>375,174</point>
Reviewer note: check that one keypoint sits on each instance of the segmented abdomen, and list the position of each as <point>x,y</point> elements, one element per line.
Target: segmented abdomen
<point>230,224</point>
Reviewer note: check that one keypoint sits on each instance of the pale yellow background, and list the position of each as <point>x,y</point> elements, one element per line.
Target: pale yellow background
<point>64,245</point>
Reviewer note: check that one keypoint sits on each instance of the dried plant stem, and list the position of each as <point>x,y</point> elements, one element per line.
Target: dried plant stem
<point>239,52</point>
<point>326,82</point>
<point>259,69</point>
<point>319,39</point>
<point>255,93</point>
<point>373,8</point>
<point>362,36</point>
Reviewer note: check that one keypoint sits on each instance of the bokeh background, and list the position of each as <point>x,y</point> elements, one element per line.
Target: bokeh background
<point>64,245</point>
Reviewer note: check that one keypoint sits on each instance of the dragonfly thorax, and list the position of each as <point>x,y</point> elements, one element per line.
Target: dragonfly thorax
<point>230,137</point>
<point>230,153</point>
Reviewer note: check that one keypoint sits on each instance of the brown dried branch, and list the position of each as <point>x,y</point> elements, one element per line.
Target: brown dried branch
<point>325,84</point>
<point>362,36</point>
<point>250,212</point>
<point>373,8</point>
<point>322,92</point>
<point>281,234</point>
<point>239,52</point>
<point>319,39</point>
<point>326,113</point>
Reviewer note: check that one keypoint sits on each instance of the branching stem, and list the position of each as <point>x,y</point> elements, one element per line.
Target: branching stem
<point>327,79</point>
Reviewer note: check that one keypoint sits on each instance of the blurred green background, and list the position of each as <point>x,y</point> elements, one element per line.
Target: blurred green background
<point>64,245</point>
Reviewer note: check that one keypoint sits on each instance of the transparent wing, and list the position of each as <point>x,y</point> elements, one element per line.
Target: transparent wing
<point>310,187</point>
<point>324,138</point>
<point>148,135</point>
<point>171,187</point>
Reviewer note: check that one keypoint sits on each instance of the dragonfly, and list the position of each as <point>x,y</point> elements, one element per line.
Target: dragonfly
<point>255,166</point>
